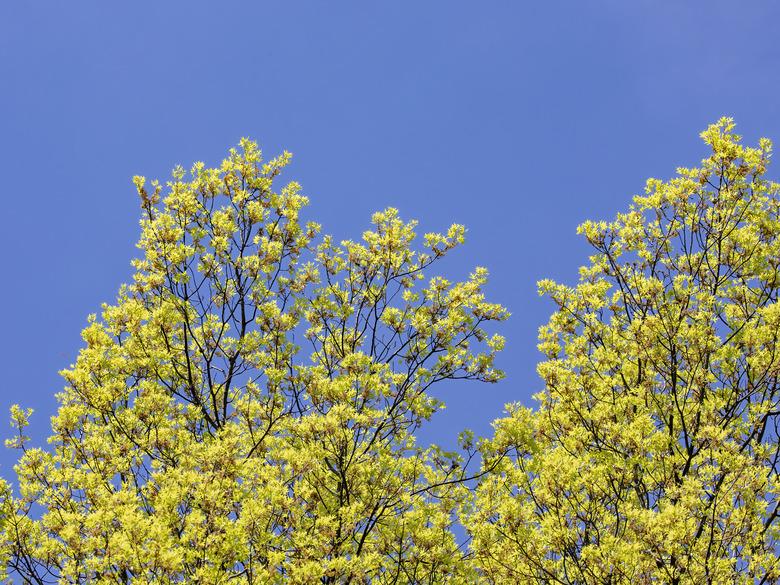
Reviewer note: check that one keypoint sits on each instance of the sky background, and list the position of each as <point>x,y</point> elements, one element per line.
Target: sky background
<point>518,119</point>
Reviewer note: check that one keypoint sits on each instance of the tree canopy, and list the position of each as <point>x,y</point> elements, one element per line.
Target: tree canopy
<point>246,410</point>
<point>653,455</point>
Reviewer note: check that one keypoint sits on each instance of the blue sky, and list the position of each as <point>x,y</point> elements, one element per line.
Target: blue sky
<point>517,119</point>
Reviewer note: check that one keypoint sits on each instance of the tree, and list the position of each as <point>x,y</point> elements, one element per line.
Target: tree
<point>653,455</point>
<point>245,411</point>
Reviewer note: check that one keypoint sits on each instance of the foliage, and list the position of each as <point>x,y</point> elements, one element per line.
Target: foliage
<point>653,456</point>
<point>245,411</point>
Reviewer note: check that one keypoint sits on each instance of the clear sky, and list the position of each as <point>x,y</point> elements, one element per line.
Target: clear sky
<point>518,119</point>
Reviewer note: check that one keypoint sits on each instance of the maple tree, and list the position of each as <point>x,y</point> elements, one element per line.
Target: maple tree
<point>246,409</point>
<point>653,455</point>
